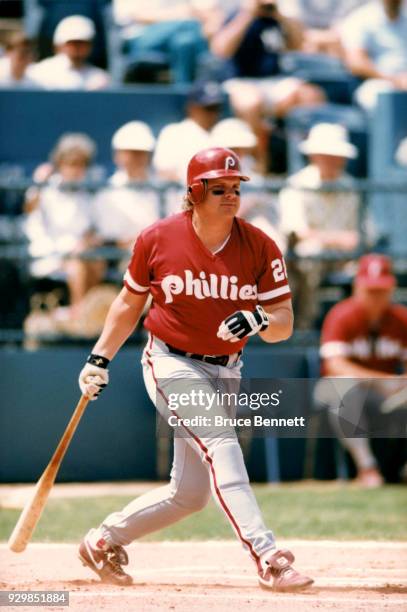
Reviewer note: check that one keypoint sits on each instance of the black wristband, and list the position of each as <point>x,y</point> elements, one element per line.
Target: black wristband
<point>98,360</point>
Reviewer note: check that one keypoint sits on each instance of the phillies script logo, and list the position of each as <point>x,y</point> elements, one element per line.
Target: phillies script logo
<point>223,287</point>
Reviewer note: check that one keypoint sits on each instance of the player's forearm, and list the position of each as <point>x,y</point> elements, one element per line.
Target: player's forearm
<point>293,32</point>
<point>121,320</point>
<point>359,64</point>
<point>281,325</point>
<point>148,16</point>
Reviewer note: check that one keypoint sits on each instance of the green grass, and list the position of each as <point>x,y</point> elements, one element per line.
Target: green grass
<point>313,512</point>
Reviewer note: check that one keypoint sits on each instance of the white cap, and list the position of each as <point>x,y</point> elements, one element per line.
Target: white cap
<point>328,139</point>
<point>232,133</point>
<point>134,136</point>
<point>75,27</point>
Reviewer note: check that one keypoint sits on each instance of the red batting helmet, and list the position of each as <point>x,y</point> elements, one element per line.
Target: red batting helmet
<point>216,162</point>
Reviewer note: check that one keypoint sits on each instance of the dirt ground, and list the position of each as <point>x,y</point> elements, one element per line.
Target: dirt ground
<point>214,576</point>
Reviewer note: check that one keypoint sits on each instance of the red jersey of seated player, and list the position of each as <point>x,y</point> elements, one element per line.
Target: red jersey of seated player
<point>194,290</point>
<point>346,333</point>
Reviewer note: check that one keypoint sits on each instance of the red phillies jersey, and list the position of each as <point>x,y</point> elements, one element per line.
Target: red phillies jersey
<point>194,290</point>
<point>346,333</point>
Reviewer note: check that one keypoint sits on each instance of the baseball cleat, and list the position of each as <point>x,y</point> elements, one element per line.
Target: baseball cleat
<point>370,478</point>
<point>280,576</point>
<point>105,560</point>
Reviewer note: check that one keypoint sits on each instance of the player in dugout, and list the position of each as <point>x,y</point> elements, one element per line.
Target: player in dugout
<point>364,359</point>
<point>215,280</point>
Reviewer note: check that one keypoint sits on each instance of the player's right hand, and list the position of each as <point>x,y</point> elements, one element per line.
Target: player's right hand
<point>94,378</point>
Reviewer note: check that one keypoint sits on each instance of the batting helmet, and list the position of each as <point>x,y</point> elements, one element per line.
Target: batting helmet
<point>216,162</point>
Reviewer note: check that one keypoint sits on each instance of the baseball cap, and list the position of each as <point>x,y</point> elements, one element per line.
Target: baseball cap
<point>74,27</point>
<point>206,93</point>
<point>375,272</point>
<point>134,136</point>
<point>328,139</point>
<point>233,133</point>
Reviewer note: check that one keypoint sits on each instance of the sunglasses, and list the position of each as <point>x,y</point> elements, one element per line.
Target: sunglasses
<point>219,191</point>
<point>212,108</point>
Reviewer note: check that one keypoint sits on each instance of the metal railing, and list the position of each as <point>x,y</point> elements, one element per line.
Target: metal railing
<point>14,246</point>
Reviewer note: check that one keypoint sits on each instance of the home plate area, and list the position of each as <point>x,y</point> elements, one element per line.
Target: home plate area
<point>213,576</point>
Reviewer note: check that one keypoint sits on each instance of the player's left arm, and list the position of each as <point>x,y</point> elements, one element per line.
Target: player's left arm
<point>281,321</point>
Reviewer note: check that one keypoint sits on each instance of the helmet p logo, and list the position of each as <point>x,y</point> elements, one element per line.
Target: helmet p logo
<point>230,162</point>
<point>375,268</point>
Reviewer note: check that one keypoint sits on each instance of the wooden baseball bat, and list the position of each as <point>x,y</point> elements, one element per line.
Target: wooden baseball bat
<point>32,511</point>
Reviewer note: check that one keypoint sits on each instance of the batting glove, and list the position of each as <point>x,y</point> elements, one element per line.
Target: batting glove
<point>94,376</point>
<point>243,323</point>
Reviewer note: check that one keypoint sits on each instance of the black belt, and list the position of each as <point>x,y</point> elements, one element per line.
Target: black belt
<point>222,360</point>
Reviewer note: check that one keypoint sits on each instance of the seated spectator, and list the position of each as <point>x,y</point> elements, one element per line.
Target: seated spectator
<point>178,142</point>
<point>365,337</point>
<point>375,41</point>
<point>321,22</point>
<point>318,222</point>
<point>58,224</point>
<point>15,66</point>
<point>176,28</point>
<point>69,69</point>
<point>258,207</point>
<point>253,39</point>
<point>122,211</point>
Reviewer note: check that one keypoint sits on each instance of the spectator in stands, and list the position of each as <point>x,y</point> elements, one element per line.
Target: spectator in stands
<point>69,68</point>
<point>253,39</point>
<point>178,142</point>
<point>15,66</point>
<point>178,29</point>
<point>124,209</point>
<point>259,206</point>
<point>375,41</point>
<point>321,22</point>
<point>58,223</point>
<point>315,222</point>
<point>365,337</point>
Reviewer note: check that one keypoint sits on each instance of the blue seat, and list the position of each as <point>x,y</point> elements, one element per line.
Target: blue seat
<point>297,62</point>
<point>324,70</point>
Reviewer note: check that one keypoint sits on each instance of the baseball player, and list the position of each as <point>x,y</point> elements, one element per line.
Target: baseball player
<point>364,337</point>
<point>215,280</point>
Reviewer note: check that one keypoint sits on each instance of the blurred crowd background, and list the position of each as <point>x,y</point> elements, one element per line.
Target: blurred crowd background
<point>103,102</point>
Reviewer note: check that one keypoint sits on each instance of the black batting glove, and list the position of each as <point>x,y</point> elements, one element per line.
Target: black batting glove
<point>243,323</point>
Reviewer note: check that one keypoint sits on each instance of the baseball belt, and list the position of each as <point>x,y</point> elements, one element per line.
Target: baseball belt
<point>222,360</point>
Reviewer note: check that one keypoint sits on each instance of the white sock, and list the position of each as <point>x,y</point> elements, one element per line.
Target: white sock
<point>265,556</point>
